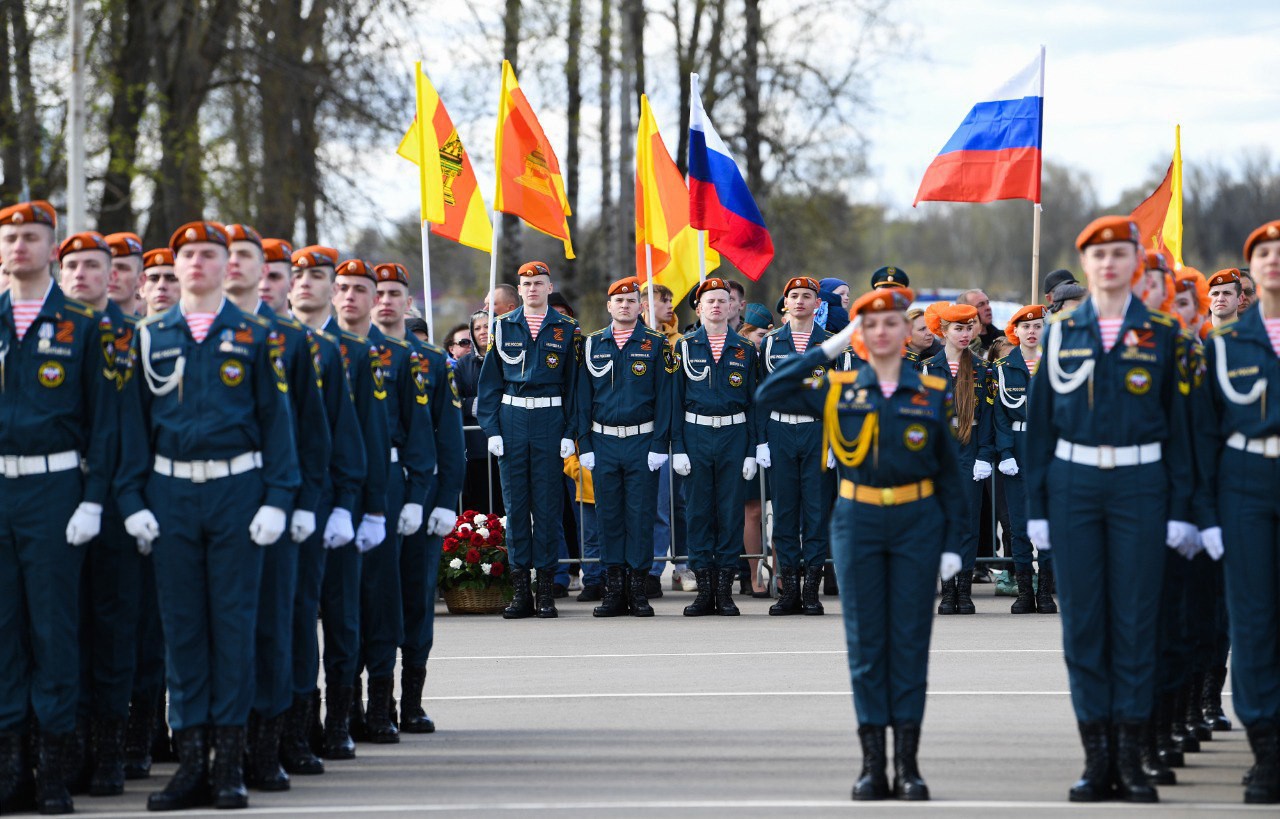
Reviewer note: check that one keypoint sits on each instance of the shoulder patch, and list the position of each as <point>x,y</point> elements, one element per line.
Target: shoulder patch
<point>131,321</point>
<point>1162,318</point>
<point>433,348</point>
<point>289,321</point>
<point>399,341</point>
<point>599,332</point>
<point>258,320</point>
<point>1223,330</point>
<point>653,332</point>
<point>934,382</point>
<point>327,336</point>
<point>79,307</point>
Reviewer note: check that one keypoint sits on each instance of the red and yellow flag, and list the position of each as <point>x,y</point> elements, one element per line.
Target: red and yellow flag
<point>662,213</point>
<point>1159,217</point>
<point>529,181</point>
<point>451,198</point>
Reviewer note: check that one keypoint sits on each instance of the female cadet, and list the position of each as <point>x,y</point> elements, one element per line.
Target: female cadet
<point>1107,462</point>
<point>966,375</point>
<point>890,430</point>
<point>1013,378</point>
<point>1237,438</point>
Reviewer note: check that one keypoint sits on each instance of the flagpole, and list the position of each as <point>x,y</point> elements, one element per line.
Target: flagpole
<point>648,278</point>
<point>427,313</point>
<point>702,256</point>
<point>493,268</point>
<point>1035,254</point>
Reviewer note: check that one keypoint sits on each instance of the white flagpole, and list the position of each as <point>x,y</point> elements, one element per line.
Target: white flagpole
<point>493,267</point>
<point>1035,219</point>
<point>427,313</point>
<point>695,99</point>
<point>648,277</point>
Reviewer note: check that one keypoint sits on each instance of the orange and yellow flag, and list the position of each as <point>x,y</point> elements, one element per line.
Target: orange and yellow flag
<point>529,181</point>
<point>662,213</point>
<point>451,198</point>
<point>1159,216</point>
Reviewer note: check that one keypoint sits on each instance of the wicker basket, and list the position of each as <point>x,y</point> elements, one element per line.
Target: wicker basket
<point>474,601</point>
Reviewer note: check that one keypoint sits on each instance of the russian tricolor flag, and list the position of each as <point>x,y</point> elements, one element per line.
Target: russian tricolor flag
<point>995,153</point>
<point>719,201</point>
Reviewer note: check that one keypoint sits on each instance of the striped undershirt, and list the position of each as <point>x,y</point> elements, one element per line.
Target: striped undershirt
<point>716,340</point>
<point>535,323</point>
<point>199,324</point>
<point>622,336</point>
<point>1110,331</point>
<point>1032,364</point>
<point>1273,333</point>
<point>24,313</point>
<point>955,367</point>
<point>887,388</point>
<point>801,340</point>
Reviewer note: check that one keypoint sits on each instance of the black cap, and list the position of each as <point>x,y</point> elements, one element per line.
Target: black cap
<point>413,324</point>
<point>890,277</point>
<point>557,299</point>
<point>1056,278</point>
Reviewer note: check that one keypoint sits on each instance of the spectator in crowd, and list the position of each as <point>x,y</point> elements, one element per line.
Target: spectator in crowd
<point>838,288</point>
<point>922,344</point>
<point>1057,277</point>
<point>1248,292</point>
<point>503,298</point>
<point>1066,296</point>
<point>482,488</point>
<point>458,342</point>
<point>418,328</point>
<point>988,333</point>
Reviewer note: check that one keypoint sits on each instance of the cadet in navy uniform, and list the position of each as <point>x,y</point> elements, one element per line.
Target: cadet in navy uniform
<point>525,407</point>
<point>900,499</point>
<point>624,406</point>
<point>340,488</point>
<point>420,552</point>
<point>1237,438</point>
<point>314,295</point>
<point>714,436</point>
<point>58,410</point>
<point>1108,465</point>
<point>792,452</point>
<point>215,409</point>
<point>1012,387</point>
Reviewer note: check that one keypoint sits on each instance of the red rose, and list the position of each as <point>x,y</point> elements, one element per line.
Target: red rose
<point>473,555</point>
<point>496,570</point>
<point>450,546</point>
<point>494,538</point>
<point>476,540</point>
<point>470,514</point>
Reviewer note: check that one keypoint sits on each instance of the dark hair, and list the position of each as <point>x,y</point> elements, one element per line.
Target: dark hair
<point>461,328</point>
<point>736,287</point>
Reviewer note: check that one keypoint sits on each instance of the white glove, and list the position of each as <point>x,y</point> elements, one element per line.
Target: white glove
<point>267,526</point>
<point>1038,533</point>
<point>656,461</point>
<point>1211,540</point>
<point>680,463</point>
<point>372,531</point>
<point>441,521</point>
<point>410,518</point>
<point>495,445</point>
<point>338,531</point>
<point>566,447</point>
<point>85,524</point>
<point>748,468</point>
<point>587,460</point>
<point>949,566</point>
<point>1182,536</point>
<point>981,470</point>
<point>144,528</point>
<point>1008,467</point>
<point>763,459</point>
<point>836,345</point>
<point>831,459</point>
<point>302,525</point>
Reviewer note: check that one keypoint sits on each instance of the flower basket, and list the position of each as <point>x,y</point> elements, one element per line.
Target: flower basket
<point>474,573</point>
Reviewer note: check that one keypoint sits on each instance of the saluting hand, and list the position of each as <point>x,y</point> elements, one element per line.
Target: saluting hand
<point>85,524</point>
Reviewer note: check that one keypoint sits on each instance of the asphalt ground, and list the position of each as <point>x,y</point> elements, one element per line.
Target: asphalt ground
<point>708,717</point>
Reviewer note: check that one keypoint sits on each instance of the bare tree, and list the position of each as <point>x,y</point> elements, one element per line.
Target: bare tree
<point>128,77</point>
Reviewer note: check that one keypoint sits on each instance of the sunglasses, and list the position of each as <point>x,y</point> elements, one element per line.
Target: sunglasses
<point>462,342</point>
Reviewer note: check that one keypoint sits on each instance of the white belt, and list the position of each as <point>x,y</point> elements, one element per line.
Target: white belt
<point>395,455</point>
<point>1108,457</point>
<point>1019,426</point>
<point>788,418</point>
<point>622,432</point>
<point>17,466</point>
<point>201,471</point>
<point>1268,447</point>
<point>531,403</point>
<point>716,421</point>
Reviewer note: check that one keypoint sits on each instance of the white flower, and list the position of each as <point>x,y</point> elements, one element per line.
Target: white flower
<point>478,520</point>
<point>483,532</point>
<point>456,563</point>
<point>504,521</point>
<point>464,529</point>
<point>486,567</point>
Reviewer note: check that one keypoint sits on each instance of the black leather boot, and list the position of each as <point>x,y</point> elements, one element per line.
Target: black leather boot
<point>56,757</point>
<point>1026,602</point>
<point>907,782</point>
<point>1094,784</point>
<point>108,757</point>
<point>1211,699</point>
<point>382,730</point>
<point>964,593</point>
<point>337,715</point>
<point>295,748</point>
<point>17,787</point>
<point>809,602</point>
<point>1194,716</point>
<point>546,602</point>
<point>78,759</point>
<point>830,585</point>
<point>264,771</point>
<point>872,782</point>
<point>1157,772</point>
<point>1044,592</point>
<point>639,598</point>
<point>1185,738</point>
<point>705,602</point>
<point>1133,783</point>
<point>315,731</point>
<point>227,772</point>
<point>413,717</point>
<point>724,593</point>
<point>788,593</point>
<point>138,733</point>
<point>1169,749</point>
<point>614,603</point>
<point>1263,787</point>
<point>521,605</point>
<point>189,787</point>
<point>947,600</point>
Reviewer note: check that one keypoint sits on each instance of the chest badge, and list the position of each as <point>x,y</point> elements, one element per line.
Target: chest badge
<point>553,361</point>
<point>46,334</point>
<point>818,371</point>
<point>231,372</point>
<point>735,379</point>
<point>915,437</point>
<point>51,374</point>
<point>1138,381</point>
<point>640,368</point>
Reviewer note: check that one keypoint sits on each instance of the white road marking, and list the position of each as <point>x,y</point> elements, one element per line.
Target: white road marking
<point>620,695</point>
<point>727,654</point>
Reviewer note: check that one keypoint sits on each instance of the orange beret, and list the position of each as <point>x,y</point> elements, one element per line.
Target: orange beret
<point>1157,261</point>
<point>124,244</point>
<point>390,272</point>
<point>881,300</point>
<point>244,233</point>
<point>1188,279</point>
<point>941,311</point>
<point>713,283</point>
<point>1109,229</point>
<point>535,269</point>
<point>1030,312</point>
<point>357,267</point>
<point>315,256</point>
<point>39,211</point>
<point>160,257</point>
<point>276,250</point>
<point>1270,232</point>
<point>807,282</point>
<point>1227,276</point>
<point>89,240</point>
<point>198,232</point>
<point>630,284</point>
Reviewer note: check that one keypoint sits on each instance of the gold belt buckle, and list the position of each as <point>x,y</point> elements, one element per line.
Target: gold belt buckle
<point>887,498</point>
<point>1106,457</point>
